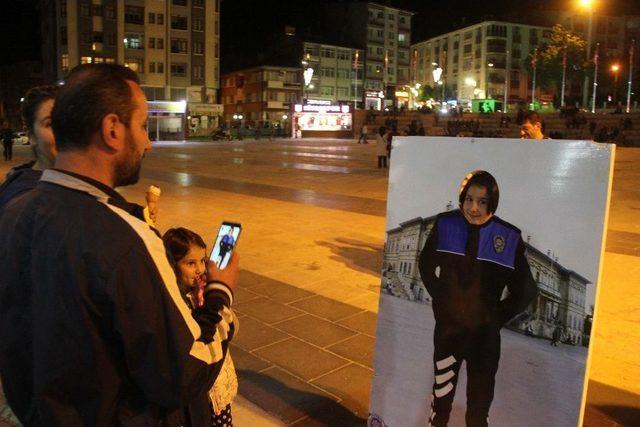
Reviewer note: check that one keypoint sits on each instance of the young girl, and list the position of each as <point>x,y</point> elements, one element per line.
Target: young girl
<point>188,255</point>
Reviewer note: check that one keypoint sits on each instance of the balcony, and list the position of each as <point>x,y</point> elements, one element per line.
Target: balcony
<point>275,84</point>
<point>278,105</point>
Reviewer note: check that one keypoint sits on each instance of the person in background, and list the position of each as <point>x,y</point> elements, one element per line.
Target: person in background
<point>381,147</point>
<point>531,127</point>
<point>36,115</point>
<point>188,255</point>
<point>7,134</point>
<point>363,134</point>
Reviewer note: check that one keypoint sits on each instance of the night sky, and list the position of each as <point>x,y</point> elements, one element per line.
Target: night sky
<point>246,24</point>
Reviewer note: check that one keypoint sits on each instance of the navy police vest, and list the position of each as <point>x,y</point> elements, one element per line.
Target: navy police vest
<point>497,242</point>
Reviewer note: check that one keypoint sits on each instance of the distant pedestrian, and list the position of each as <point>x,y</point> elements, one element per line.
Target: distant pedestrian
<point>363,134</point>
<point>555,337</point>
<point>421,131</point>
<point>381,147</point>
<point>7,135</point>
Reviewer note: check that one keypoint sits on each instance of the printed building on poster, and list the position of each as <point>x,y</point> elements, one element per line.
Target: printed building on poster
<point>560,301</point>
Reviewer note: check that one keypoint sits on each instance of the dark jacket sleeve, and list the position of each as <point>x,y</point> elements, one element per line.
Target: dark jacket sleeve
<point>428,263</point>
<point>169,357</point>
<point>522,288</point>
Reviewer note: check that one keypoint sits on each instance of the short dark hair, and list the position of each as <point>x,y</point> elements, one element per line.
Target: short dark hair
<point>89,93</point>
<point>32,101</point>
<point>532,117</point>
<point>382,130</point>
<point>484,179</point>
<point>177,242</point>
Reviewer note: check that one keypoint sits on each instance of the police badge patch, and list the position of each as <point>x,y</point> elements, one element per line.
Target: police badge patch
<point>498,244</point>
<point>375,420</point>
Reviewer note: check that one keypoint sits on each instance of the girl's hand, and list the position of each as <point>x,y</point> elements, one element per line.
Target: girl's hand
<point>201,282</point>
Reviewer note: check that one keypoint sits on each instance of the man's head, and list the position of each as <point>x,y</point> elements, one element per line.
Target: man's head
<point>531,126</point>
<point>102,108</point>
<point>479,197</point>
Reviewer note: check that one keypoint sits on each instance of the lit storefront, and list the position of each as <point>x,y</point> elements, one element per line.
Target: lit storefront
<point>166,120</point>
<point>373,100</point>
<point>322,118</point>
<point>204,118</point>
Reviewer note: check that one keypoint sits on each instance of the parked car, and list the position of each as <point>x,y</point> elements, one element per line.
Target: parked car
<point>22,138</point>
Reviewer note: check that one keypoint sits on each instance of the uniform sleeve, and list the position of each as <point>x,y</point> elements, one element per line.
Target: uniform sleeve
<point>165,352</point>
<point>428,263</point>
<point>522,288</point>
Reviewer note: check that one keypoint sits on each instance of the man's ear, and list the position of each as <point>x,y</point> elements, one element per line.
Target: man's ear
<point>113,132</point>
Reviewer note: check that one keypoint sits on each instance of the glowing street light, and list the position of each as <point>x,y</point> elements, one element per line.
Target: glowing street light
<point>614,69</point>
<point>589,6</point>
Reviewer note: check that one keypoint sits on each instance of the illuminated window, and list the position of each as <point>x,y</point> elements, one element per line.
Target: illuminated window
<point>133,41</point>
<point>85,60</point>
<point>65,62</point>
<point>135,64</point>
<point>401,37</point>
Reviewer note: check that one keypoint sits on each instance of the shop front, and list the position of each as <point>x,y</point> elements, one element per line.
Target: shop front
<point>322,119</point>
<point>167,120</point>
<point>203,119</point>
<point>373,100</point>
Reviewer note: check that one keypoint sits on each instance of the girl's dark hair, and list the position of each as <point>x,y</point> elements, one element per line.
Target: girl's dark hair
<point>177,242</point>
<point>382,130</point>
<point>32,101</point>
<point>484,179</point>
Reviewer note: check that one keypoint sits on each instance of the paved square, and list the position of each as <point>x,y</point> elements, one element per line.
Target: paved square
<point>313,215</point>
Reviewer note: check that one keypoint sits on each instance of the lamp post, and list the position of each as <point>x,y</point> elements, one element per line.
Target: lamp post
<point>595,79</point>
<point>631,52</point>
<point>355,87</point>
<point>615,68</point>
<point>564,75</point>
<point>507,83</point>
<point>588,5</point>
<point>486,80</point>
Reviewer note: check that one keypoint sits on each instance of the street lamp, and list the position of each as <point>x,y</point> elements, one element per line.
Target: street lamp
<point>614,69</point>
<point>486,80</point>
<point>589,6</point>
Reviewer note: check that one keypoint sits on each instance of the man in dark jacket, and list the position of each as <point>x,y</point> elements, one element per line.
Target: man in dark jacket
<point>470,257</point>
<point>92,325</point>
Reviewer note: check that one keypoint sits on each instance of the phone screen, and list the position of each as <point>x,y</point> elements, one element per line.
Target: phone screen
<point>225,242</point>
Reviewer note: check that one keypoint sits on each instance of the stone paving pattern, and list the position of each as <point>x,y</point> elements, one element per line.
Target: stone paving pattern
<point>311,250</point>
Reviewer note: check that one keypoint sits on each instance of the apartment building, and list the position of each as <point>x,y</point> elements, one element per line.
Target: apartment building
<point>384,34</point>
<point>261,94</point>
<point>173,45</point>
<point>480,61</point>
<point>337,72</point>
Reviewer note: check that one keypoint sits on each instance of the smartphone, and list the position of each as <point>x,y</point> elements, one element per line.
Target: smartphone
<point>225,242</point>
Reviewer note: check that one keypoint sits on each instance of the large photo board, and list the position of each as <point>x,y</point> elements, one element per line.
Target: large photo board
<point>491,265</point>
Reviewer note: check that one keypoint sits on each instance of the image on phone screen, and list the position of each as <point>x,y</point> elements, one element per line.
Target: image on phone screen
<point>225,242</point>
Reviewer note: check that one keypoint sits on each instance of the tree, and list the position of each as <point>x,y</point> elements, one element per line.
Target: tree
<point>549,56</point>
<point>426,93</point>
